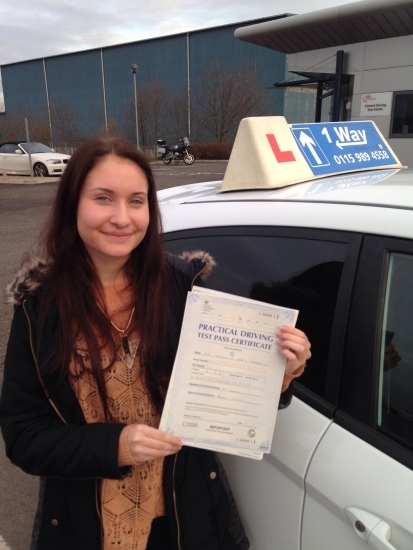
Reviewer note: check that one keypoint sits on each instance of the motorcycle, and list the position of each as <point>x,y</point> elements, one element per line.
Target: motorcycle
<point>178,152</point>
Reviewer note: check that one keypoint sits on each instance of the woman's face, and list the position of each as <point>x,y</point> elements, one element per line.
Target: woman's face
<point>113,210</point>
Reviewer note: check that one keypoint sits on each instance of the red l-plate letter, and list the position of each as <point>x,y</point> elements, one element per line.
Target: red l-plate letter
<point>281,156</point>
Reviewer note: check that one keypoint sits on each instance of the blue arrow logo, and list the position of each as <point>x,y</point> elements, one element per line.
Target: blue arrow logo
<point>307,141</point>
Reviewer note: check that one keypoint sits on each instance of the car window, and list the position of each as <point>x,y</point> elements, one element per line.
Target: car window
<point>303,274</point>
<point>395,414</point>
<point>2,149</point>
<point>36,148</point>
<point>10,148</point>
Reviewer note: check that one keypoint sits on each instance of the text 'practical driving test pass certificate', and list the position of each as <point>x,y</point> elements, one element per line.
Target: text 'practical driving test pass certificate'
<point>228,372</point>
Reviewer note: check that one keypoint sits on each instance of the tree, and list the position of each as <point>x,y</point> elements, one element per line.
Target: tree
<point>153,101</point>
<point>40,129</point>
<point>223,98</point>
<point>12,126</point>
<point>179,117</point>
<point>111,130</point>
<point>66,122</point>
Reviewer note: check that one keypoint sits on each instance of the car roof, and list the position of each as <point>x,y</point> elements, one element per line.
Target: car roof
<point>378,202</point>
<point>11,142</point>
<point>386,188</point>
<point>16,142</point>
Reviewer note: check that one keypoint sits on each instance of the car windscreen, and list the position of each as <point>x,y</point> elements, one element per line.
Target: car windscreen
<point>36,148</point>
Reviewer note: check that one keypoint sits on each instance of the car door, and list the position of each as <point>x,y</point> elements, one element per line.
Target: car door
<point>313,271</point>
<point>359,484</point>
<point>12,162</point>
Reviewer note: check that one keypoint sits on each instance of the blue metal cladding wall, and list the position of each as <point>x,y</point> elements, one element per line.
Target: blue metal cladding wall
<point>159,60</point>
<point>24,88</point>
<point>220,45</point>
<point>76,79</point>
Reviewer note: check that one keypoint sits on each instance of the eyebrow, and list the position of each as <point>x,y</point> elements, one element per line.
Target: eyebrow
<point>111,191</point>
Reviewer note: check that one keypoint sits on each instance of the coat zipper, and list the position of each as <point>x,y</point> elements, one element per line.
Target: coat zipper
<point>57,410</point>
<point>97,504</point>
<point>198,275</point>
<point>175,504</point>
<point>37,367</point>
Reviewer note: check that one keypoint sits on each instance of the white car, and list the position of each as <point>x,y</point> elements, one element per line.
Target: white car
<point>14,159</point>
<point>339,249</point>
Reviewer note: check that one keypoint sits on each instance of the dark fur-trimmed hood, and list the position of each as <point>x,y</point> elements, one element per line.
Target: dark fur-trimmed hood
<point>28,278</point>
<point>200,256</point>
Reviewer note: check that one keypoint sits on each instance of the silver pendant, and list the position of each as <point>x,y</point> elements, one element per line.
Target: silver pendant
<point>127,350</point>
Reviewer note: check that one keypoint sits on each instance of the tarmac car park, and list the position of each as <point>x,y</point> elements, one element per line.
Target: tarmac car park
<point>14,159</point>
<point>340,250</point>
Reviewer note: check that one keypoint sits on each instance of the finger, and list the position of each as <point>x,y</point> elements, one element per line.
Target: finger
<point>155,445</point>
<point>293,337</point>
<point>291,356</point>
<point>286,329</point>
<point>144,450</point>
<point>295,355</point>
<point>297,347</point>
<point>153,438</point>
<point>142,455</point>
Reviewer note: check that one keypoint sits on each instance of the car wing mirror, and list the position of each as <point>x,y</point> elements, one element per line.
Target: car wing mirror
<point>18,152</point>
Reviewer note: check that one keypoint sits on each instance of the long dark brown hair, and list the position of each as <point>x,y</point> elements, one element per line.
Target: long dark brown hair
<point>73,284</point>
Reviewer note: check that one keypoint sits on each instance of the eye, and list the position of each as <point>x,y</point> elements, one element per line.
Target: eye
<point>102,198</point>
<point>136,201</point>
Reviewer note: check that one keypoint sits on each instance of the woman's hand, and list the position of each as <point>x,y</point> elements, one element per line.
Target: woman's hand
<point>147,443</point>
<point>294,345</point>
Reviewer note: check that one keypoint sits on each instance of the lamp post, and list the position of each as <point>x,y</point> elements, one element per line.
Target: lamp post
<point>134,70</point>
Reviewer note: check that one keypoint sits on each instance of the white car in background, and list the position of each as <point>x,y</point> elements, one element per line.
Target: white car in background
<point>14,159</point>
<point>340,249</point>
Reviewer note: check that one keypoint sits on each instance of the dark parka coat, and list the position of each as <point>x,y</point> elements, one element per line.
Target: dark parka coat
<point>46,435</point>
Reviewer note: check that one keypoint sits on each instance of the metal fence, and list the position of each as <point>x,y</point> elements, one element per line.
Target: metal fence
<point>68,148</point>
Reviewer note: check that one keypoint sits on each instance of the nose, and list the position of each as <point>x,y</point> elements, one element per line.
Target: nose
<point>120,215</point>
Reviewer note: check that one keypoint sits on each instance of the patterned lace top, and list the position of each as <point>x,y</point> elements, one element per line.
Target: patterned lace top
<point>127,506</point>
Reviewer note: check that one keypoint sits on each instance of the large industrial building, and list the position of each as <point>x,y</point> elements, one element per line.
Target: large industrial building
<point>99,85</point>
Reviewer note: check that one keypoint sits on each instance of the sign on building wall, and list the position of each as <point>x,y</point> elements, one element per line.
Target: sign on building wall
<point>376,104</point>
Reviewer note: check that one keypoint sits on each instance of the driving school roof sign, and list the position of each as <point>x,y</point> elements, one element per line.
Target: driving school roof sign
<point>269,153</point>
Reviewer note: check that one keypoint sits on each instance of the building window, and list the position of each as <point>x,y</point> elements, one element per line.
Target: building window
<point>402,115</point>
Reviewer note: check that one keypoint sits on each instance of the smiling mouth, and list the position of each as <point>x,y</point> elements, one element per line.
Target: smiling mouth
<point>118,235</point>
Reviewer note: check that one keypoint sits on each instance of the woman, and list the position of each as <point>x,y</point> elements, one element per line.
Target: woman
<point>91,348</point>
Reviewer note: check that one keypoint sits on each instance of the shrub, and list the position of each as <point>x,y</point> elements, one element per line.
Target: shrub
<point>211,151</point>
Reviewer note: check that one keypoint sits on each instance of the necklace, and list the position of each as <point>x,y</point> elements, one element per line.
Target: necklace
<point>127,348</point>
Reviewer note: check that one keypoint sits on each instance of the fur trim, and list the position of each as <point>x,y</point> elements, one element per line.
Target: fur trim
<point>200,256</point>
<point>27,280</point>
<point>29,276</point>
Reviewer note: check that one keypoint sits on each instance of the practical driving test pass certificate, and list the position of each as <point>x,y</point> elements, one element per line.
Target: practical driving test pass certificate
<point>228,372</point>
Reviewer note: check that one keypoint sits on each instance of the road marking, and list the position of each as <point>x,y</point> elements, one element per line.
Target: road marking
<point>3,545</point>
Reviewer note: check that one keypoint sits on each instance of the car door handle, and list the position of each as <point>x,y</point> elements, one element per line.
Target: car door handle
<point>380,536</point>
<point>374,531</point>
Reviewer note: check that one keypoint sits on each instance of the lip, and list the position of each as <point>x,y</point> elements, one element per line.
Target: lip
<point>118,235</point>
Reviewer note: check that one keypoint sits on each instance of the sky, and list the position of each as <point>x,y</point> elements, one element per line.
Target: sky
<point>34,29</point>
